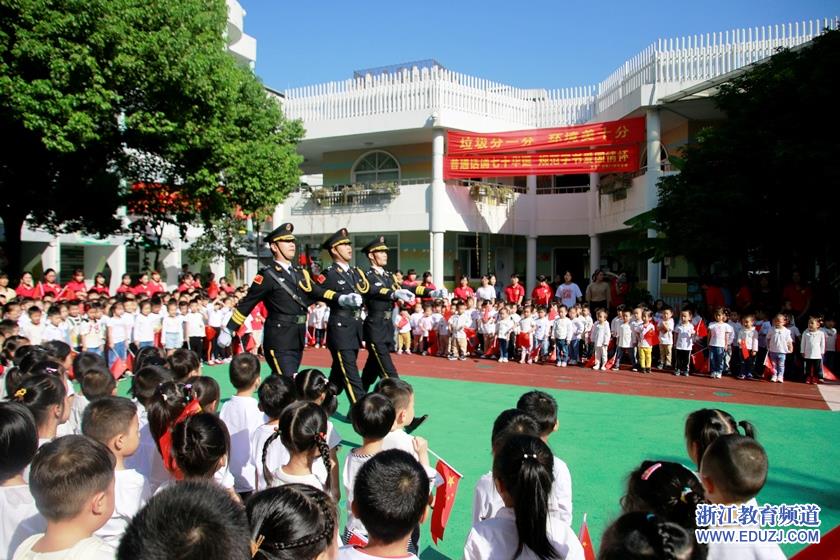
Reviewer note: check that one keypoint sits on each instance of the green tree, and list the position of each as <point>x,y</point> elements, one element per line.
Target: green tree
<point>226,238</point>
<point>755,188</point>
<point>98,95</point>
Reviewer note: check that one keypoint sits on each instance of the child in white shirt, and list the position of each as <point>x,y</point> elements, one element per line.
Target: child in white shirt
<point>34,328</point>
<point>442,327</point>
<point>55,328</point>
<point>684,334</point>
<point>601,340</point>
<point>526,334</point>
<point>747,344</point>
<point>562,334</point>
<point>404,333</point>
<point>812,347</point>
<point>779,345</point>
<point>196,331</point>
<point>542,332</point>
<point>720,338</point>
<point>173,326</point>
<point>92,332</point>
<point>624,341</point>
<point>504,328</point>
<point>830,344</point>
<point>666,337</point>
<point>145,326</point>
<point>242,416</point>
<point>458,324</point>
<point>113,422</point>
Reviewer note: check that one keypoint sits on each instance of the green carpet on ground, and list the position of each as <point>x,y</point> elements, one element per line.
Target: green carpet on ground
<point>602,437</point>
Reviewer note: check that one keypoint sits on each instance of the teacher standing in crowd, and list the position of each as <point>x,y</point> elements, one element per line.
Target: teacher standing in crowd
<point>598,292</point>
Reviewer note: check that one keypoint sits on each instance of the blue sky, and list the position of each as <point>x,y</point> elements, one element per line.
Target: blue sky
<point>539,43</point>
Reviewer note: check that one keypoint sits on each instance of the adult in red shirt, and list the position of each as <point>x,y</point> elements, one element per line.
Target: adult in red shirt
<point>225,286</point>
<point>125,285</point>
<point>464,291</point>
<point>212,286</point>
<point>187,283</point>
<point>541,294</point>
<point>48,285</point>
<point>99,285</point>
<point>143,288</point>
<point>156,285</point>
<point>27,288</point>
<point>514,292</point>
<point>428,285</point>
<point>411,280</point>
<point>799,295</point>
<point>75,286</point>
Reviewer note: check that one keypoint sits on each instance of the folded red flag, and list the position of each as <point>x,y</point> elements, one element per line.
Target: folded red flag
<point>828,374</point>
<point>745,352</point>
<point>700,362</point>
<point>701,330</point>
<point>523,340</point>
<point>356,539</point>
<point>610,363</point>
<point>433,343</point>
<point>586,541</point>
<point>444,498</point>
<point>769,367</point>
<point>590,362</point>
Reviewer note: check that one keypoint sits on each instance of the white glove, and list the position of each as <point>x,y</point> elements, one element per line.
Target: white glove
<point>225,338</point>
<point>350,301</point>
<point>406,296</point>
<point>440,293</point>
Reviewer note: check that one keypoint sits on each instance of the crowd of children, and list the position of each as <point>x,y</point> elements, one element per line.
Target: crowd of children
<point>260,477</point>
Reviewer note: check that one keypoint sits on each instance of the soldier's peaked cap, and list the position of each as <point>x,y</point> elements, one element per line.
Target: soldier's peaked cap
<point>283,233</point>
<point>377,244</point>
<point>338,238</point>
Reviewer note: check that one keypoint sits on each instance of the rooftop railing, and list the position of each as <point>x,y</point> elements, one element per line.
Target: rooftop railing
<point>683,60</point>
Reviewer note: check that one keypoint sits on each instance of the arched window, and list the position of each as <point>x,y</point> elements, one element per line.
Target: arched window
<point>375,167</point>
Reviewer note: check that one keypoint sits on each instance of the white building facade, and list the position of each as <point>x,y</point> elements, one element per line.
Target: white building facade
<point>374,147</point>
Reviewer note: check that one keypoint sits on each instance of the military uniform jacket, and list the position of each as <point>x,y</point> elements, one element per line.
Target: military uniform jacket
<point>379,326</point>
<point>344,328</point>
<point>285,326</point>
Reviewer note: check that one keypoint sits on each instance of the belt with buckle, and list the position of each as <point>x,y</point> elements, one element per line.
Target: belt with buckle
<point>354,313</point>
<point>298,319</point>
<point>384,315</point>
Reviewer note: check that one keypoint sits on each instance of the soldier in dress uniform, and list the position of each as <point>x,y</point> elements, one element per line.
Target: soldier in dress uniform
<point>344,328</point>
<point>287,290</point>
<point>378,328</point>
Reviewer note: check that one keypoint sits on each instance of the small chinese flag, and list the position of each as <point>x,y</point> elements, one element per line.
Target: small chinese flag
<point>129,361</point>
<point>433,343</point>
<point>769,367</point>
<point>586,541</point>
<point>523,340</point>
<point>611,362</point>
<point>590,362</point>
<point>702,331</point>
<point>828,374</point>
<point>652,337</point>
<point>472,340</point>
<point>118,367</point>
<point>356,539</point>
<point>745,352</point>
<point>827,547</point>
<point>700,362</point>
<point>444,498</point>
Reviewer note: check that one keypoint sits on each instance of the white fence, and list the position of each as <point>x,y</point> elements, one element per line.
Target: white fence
<point>685,60</point>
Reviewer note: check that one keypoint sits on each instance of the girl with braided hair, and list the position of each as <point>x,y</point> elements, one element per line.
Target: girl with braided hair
<point>646,536</point>
<point>523,474</point>
<point>293,522</point>
<point>312,385</point>
<point>303,432</point>
<point>670,490</point>
<point>267,454</point>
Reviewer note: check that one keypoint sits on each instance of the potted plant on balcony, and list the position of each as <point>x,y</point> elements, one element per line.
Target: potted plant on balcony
<point>321,196</point>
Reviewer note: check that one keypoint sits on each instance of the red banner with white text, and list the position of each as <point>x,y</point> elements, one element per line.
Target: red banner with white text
<point>612,133</point>
<point>610,160</point>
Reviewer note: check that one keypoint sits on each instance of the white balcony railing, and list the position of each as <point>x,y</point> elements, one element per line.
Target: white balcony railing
<point>683,60</point>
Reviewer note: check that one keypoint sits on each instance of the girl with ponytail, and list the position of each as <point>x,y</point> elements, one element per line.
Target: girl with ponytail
<point>267,454</point>
<point>704,426</point>
<point>312,385</point>
<point>293,522</point>
<point>45,395</point>
<point>523,474</point>
<point>171,404</point>
<point>646,536</point>
<point>303,431</point>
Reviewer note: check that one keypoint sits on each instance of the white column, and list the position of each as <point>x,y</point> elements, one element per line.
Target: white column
<point>594,240</point>
<point>51,257</point>
<point>654,147</point>
<point>116,262</point>
<point>531,242</point>
<point>438,194</point>
<point>170,265</point>
<point>94,260</point>
<point>594,253</point>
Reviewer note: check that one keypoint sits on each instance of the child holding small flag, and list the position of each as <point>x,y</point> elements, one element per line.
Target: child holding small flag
<point>684,334</point>
<point>747,346</point>
<point>812,347</point>
<point>645,338</point>
<point>720,337</point>
<point>779,345</point>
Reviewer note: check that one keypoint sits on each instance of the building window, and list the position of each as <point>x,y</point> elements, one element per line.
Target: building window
<point>559,184</point>
<point>375,167</point>
<point>470,254</point>
<point>72,257</point>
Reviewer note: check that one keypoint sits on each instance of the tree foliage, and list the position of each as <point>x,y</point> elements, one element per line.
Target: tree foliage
<point>756,187</point>
<point>227,239</point>
<point>97,95</point>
